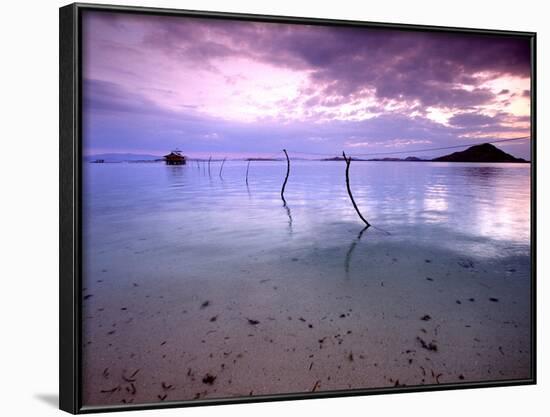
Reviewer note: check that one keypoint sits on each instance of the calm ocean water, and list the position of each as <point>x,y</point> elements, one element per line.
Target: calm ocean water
<point>474,209</point>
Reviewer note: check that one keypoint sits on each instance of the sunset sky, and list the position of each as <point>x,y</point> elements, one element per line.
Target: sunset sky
<point>218,87</point>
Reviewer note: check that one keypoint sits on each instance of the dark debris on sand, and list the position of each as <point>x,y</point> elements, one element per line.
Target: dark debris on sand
<point>131,389</point>
<point>111,390</point>
<point>431,346</point>
<point>131,377</point>
<point>166,386</point>
<point>209,379</point>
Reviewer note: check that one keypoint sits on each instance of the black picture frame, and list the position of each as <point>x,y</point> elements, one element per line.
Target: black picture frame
<point>70,154</point>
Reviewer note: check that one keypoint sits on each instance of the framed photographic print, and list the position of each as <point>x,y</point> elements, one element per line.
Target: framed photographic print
<point>259,208</point>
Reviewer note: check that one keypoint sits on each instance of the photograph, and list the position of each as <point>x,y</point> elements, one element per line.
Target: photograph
<point>272,208</point>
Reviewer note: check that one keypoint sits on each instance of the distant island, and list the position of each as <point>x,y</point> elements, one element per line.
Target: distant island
<point>407,159</point>
<point>480,153</point>
<point>340,158</point>
<point>123,157</point>
<point>477,153</point>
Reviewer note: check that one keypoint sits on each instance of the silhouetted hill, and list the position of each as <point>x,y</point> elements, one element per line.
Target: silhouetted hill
<point>479,153</point>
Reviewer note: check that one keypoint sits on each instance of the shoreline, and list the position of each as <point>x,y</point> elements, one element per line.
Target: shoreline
<point>390,320</point>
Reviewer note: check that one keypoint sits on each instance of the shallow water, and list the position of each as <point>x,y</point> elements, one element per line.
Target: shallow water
<point>161,240</point>
<point>478,208</point>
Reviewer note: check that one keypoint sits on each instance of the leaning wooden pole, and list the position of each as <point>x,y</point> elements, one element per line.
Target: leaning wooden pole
<point>348,162</point>
<point>247,168</point>
<point>286,178</point>
<point>221,168</point>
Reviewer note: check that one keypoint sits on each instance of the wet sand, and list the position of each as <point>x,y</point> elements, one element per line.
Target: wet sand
<point>371,312</point>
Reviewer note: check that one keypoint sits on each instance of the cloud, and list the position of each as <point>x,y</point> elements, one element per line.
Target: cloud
<point>221,85</point>
<point>473,120</point>
<point>109,97</point>
<point>429,67</point>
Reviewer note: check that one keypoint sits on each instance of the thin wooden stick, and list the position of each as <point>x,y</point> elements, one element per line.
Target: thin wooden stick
<point>348,162</point>
<point>209,159</point>
<point>247,167</point>
<point>221,168</point>
<point>286,178</point>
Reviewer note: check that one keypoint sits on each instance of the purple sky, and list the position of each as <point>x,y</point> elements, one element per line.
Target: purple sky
<point>216,87</point>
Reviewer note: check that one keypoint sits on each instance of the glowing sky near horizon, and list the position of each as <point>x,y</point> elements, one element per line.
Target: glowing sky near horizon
<point>220,87</point>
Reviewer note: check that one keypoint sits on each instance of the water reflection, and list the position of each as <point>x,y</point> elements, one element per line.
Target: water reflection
<point>176,175</point>
<point>436,203</point>
<point>289,214</point>
<point>176,170</point>
<point>351,249</point>
<point>221,169</point>
<point>452,205</point>
<point>481,174</point>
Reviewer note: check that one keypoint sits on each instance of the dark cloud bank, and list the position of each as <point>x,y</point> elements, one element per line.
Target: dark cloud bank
<point>442,70</point>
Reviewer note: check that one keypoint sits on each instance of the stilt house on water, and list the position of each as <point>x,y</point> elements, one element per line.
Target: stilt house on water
<point>175,158</point>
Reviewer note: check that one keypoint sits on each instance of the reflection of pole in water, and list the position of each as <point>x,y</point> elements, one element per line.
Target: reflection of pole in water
<point>352,248</point>
<point>286,177</point>
<point>247,168</point>
<point>221,168</point>
<point>209,160</point>
<point>348,162</point>
<point>289,214</point>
